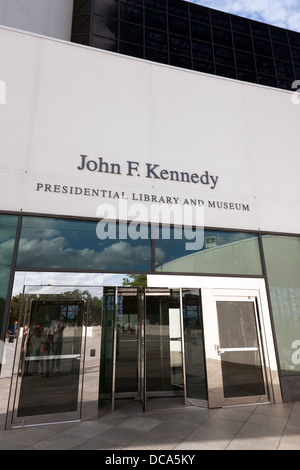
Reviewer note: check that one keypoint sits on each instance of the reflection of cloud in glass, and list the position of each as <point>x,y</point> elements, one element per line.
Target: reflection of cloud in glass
<point>72,244</point>
<point>284,14</point>
<point>57,253</point>
<point>6,250</point>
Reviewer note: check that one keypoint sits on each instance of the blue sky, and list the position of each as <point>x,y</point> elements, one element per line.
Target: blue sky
<point>283,13</point>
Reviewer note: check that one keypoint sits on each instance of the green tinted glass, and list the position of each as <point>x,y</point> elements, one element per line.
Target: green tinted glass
<point>8,225</point>
<point>282,255</point>
<point>209,251</point>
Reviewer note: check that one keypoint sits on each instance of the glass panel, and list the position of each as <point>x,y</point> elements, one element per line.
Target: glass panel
<point>282,255</point>
<point>179,61</point>
<point>199,13</point>
<point>241,369</point>
<point>131,49</point>
<point>51,350</point>
<point>107,8</point>
<point>156,56</point>
<point>81,24</point>
<point>156,39</point>
<point>267,80</point>
<point>242,374</point>
<point>202,66</point>
<point>178,8</point>
<point>202,51</point>
<point>8,225</point>
<point>164,371</point>
<point>222,37</point>
<point>179,45</point>
<point>225,71</point>
<point>221,19</point>
<point>82,245</point>
<point>131,33</point>
<point>202,32</point>
<point>237,325</point>
<point>247,76</point>
<point>296,55</point>
<point>194,345</point>
<point>155,20</point>
<point>262,47</point>
<point>107,349</point>
<point>220,252</point>
<point>242,42</point>
<point>126,379</point>
<point>131,13</point>
<point>224,56</point>
<point>278,34</point>
<point>104,43</point>
<point>105,27</point>
<point>265,65</point>
<point>156,4</point>
<point>284,69</point>
<point>178,26</point>
<point>81,5</point>
<point>244,61</point>
<point>282,52</point>
<point>260,29</point>
<point>241,25</point>
<point>294,38</point>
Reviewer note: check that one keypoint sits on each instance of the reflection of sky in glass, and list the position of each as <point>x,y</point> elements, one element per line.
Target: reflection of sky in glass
<point>71,244</point>
<point>8,226</point>
<point>166,251</point>
<point>50,281</point>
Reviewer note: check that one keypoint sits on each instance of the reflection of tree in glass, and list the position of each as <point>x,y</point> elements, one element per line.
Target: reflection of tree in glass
<point>15,308</point>
<point>75,295</point>
<point>135,280</point>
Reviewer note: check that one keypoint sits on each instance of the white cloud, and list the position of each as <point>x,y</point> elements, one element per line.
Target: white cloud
<point>56,252</point>
<point>282,13</point>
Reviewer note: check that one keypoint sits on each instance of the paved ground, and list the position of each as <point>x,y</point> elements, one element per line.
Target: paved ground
<point>168,425</point>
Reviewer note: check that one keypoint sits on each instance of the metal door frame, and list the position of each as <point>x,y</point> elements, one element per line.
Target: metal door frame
<point>141,351</point>
<point>142,394</point>
<point>213,354</point>
<point>84,404</point>
<point>211,285</point>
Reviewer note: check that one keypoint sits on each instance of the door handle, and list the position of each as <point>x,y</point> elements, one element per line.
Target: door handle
<point>219,350</point>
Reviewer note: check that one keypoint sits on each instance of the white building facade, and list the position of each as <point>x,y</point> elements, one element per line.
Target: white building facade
<point>149,231</point>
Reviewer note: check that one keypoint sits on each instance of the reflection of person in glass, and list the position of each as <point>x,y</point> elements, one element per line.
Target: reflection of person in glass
<point>58,342</point>
<point>12,332</point>
<point>45,350</point>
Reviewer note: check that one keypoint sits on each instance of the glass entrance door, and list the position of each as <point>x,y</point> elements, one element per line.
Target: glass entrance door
<point>129,374</point>
<point>148,352</point>
<point>163,335</point>
<point>49,357</point>
<point>236,363</point>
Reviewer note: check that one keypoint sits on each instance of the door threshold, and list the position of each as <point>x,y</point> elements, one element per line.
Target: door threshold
<point>248,404</point>
<point>21,426</point>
